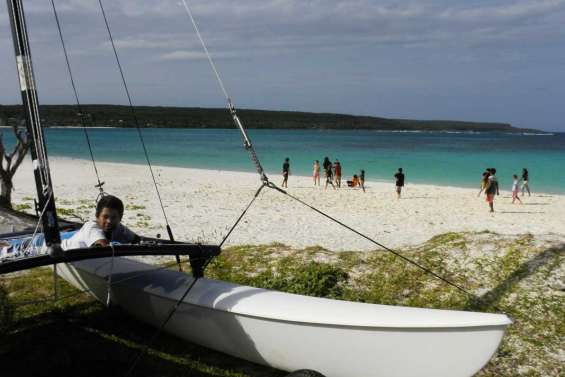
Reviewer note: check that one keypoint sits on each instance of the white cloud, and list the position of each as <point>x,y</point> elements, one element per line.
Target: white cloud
<point>506,12</point>
<point>190,55</point>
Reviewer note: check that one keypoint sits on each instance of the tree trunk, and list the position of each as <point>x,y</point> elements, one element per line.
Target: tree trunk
<point>6,192</point>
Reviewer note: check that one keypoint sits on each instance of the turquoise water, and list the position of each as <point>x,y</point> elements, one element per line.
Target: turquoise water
<point>455,159</point>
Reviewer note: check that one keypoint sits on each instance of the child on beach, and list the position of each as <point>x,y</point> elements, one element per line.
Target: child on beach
<point>106,228</point>
<point>525,184</point>
<point>515,189</point>
<point>354,181</point>
<point>316,173</point>
<point>362,179</point>
<point>399,176</point>
<point>285,172</point>
<point>484,182</point>
<point>492,188</point>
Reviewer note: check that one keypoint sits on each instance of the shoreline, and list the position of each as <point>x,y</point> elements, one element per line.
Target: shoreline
<point>271,174</point>
<point>202,204</point>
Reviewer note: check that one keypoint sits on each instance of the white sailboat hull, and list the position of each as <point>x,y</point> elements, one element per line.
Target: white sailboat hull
<point>291,332</point>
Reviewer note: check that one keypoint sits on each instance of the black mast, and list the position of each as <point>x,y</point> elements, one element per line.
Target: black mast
<point>33,122</point>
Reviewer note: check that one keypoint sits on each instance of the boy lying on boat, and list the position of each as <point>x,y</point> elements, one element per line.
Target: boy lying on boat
<point>105,229</point>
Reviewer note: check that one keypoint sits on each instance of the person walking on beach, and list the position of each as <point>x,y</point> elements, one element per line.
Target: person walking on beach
<point>337,170</point>
<point>285,172</point>
<point>525,179</point>
<point>515,189</point>
<point>328,173</point>
<point>484,182</point>
<point>362,179</point>
<point>399,176</point>
<point>492,188</point>
<point>316,173</point>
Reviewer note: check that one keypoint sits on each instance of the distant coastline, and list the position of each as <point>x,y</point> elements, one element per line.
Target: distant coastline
<point>195,117</point>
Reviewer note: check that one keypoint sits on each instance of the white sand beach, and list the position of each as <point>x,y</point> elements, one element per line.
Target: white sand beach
<point>201,205</point>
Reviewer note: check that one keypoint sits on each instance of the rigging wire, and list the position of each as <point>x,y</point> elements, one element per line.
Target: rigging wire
<point>230,106</point>
<point>177,304</point>
<point>241,216</point>
<point>396,253</point>
<point>132,109</point>
<point>273,186</point>
<point>79,106</point>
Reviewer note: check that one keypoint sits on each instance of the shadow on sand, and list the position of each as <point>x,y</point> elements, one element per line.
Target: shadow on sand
<point>526,269</point>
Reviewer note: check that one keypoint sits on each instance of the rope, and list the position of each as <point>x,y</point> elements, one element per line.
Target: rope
<point>406,259</point>
<point>241,216</point>
<point>37,225</point>
<point>132,109</point>
<point>160,329</point>
<point>248,146</point>
<point>230,106</point>
<point>79,107</point>
<point>189,12</point>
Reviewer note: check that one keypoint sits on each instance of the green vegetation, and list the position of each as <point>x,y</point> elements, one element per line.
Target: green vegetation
<point>133,207</point>
<point>508,274</point>
<point>184,117</point>
<point>22,207</point>
<point>519,275</point>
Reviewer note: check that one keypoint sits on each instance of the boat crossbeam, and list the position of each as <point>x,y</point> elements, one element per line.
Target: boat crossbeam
<point>198,255</point>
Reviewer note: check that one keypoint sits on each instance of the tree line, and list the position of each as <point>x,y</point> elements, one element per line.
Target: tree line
<point>195,117</point>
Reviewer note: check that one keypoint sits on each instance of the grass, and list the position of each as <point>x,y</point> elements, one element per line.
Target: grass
<point>513,274</point>
<point>80,337</point>
<point>22,207</point>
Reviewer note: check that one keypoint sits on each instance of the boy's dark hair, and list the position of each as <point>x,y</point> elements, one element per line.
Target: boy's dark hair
<point>110,201</point>
<point>400,170</point>
<point>493,171</point>
<point>286,159</point>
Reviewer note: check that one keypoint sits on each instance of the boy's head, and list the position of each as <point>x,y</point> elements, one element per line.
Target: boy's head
<point>400,170</point>
<point>492,171</point>
<point>286,159</point>
<point>109,212</point>
<point>515,176</point>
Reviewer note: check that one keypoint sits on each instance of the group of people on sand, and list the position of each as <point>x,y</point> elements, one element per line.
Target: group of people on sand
<point>489,185</point>
<point>332,174</point>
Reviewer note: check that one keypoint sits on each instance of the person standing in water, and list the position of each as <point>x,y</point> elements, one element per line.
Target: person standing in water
<point>492,188</point>
<point>515,189</point>
<point>316,173</point>
<point>525,184</point>
<point>399,176</point>
<point>285,172</point>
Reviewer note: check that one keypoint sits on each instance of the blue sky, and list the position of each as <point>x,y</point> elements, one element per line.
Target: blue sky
<point>466,60</point>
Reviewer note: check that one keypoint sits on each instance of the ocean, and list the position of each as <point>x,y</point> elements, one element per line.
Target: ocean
<point>440,158</point>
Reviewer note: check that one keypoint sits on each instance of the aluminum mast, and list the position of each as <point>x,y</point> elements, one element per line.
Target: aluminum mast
<point>38,150</point>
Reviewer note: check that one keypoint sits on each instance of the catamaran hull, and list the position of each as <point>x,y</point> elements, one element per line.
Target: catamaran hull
<point>291,332</point>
